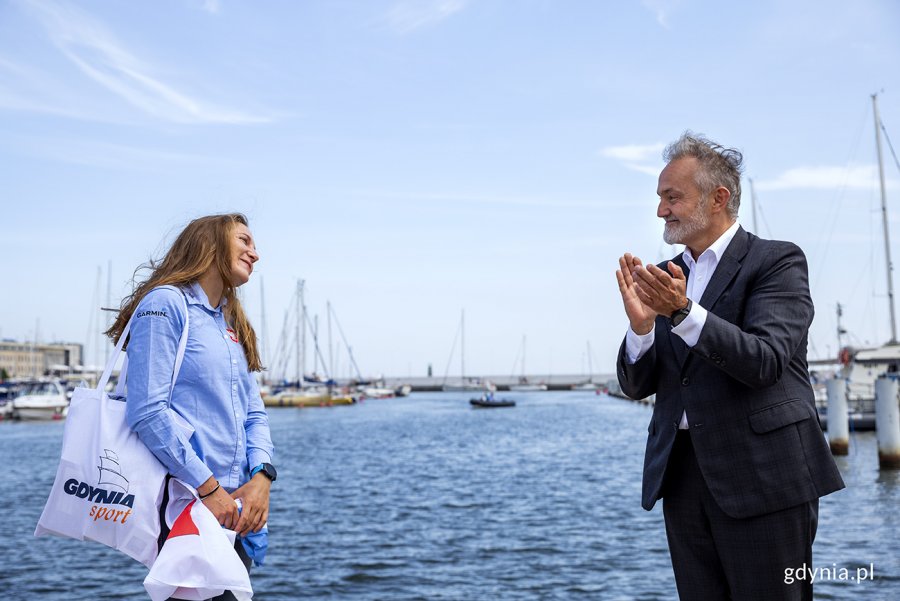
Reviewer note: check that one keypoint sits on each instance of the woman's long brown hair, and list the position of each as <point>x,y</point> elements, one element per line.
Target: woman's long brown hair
<point>204,242</point>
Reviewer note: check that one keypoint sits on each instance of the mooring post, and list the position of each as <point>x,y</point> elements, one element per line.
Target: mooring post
<point>838,421</point>
<point>887,422</point>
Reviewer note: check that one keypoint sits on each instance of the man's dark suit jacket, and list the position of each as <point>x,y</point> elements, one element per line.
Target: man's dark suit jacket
<point>744,385</point>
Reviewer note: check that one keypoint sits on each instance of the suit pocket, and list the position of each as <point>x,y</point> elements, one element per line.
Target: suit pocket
<point>778,416</point>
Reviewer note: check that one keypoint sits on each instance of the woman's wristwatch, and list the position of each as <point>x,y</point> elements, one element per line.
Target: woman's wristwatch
<point>267,469</point>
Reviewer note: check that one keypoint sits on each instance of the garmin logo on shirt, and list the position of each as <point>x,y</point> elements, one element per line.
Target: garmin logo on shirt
<point>152,314</point>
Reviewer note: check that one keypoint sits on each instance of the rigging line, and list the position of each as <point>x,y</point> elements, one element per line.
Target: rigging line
<point>594,356</point>
<point>515,364</point>
<point>891,146</point>
<point>872,313</point>
<point>316,345</point>
<point>815,351</point>
<point>346,344</point>
<point>282,350</point>
<point>450,358</point>
<point>861,276</point>
<point>839,197</point>
<point>276,358</point>
<point>765,221</point>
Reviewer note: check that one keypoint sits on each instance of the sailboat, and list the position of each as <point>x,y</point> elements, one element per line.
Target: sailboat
<point>589,385</point>
<point>465,384</point>
<point>523,384</point>
<point>305,391</point>
<point>862,367</point>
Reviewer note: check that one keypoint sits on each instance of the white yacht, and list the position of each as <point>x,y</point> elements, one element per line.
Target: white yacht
<point>41,400</point>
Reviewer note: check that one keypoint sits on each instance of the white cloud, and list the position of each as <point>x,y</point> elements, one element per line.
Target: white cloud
<point>91,47</point>
<point>661,9</point>
<point>484,199</point>
<point>104,155</point>
<point>406,16</point>
<point>211,6</point>
<point>824,178</point>
<point>633,152</point>
<point>641,158</point>
<point>648,169</point>
<point>26,89</point>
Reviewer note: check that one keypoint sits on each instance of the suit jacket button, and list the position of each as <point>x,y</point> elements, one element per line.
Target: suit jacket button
<point>685,381</point>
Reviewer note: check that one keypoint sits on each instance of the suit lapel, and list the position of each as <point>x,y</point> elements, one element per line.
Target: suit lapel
<point>727,268</point>
<point>681,350</point>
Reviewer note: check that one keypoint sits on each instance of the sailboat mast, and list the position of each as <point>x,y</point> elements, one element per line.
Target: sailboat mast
<point>98,330</point>
<point>840,330</point>
<point>590,363</point>
<point>523,357</point>
<point>301,334</point>
<point>263,328</point>
<point>331,370</point>
<point>462,348</point>
<point>753,206</point>
<point>108,304</point>
<point>884,221</point>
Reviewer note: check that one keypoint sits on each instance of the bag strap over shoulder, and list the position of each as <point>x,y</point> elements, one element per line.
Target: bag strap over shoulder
<point>123,372</point>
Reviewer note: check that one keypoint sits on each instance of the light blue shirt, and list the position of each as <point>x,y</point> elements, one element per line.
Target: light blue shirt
<point>216,424</point>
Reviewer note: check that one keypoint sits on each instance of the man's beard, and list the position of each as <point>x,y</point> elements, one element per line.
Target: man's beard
<point>680,231</point>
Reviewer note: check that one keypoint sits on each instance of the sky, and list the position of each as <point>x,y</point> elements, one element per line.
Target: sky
<point>413,159</point>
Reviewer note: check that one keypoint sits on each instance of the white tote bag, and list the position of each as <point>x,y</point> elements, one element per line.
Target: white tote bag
<point>108,485</point>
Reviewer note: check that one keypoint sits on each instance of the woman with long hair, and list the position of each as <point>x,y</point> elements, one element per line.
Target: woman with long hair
<point>211,429</point>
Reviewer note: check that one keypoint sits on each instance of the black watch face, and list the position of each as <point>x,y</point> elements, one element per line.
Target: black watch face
<point>269,470</point>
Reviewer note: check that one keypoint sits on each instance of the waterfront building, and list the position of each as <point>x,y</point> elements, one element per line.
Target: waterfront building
<point>29,360</point>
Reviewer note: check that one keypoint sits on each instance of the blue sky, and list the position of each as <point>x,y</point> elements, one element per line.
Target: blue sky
<point>411,159</point>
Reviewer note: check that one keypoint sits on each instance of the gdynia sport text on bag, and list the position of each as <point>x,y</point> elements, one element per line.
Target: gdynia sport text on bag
<point>108,485</point>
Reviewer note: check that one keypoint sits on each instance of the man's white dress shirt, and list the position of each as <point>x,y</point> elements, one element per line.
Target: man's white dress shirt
<point>700,272</point>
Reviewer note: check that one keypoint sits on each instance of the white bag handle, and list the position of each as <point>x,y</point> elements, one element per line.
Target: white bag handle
<point>123,372</point>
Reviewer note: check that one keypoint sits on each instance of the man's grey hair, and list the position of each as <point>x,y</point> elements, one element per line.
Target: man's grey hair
<point>719,166</point>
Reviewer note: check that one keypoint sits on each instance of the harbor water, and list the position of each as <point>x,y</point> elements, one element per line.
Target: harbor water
<point>426,498</point>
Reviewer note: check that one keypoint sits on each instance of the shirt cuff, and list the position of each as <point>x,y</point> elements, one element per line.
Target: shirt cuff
<point>195,472</point>
<point>689,329</point>
<point>636,345</point>
<point>256,457</point>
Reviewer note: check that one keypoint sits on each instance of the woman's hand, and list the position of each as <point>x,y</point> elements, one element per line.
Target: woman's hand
<point>219,503</point>
<point>254,496</point>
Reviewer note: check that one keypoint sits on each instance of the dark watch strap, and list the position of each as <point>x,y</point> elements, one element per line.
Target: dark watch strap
<point>678,316</point>
<point>267,470</point>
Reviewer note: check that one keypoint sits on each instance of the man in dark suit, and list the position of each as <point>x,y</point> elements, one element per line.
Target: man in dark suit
<point>719,335</point>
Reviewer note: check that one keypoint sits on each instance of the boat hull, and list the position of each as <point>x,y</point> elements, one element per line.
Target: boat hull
<point>483,404</point>
<point>306,400</point>
<point>37,407</point>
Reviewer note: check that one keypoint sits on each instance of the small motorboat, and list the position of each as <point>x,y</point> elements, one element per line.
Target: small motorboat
<point>41,400</point>
<point>487,401</point>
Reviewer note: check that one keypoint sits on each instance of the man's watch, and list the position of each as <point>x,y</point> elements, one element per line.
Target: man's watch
<point>678,316</point>
<point>268,470</point>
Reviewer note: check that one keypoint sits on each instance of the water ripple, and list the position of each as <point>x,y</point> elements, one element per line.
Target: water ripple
<point>425,498</point>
